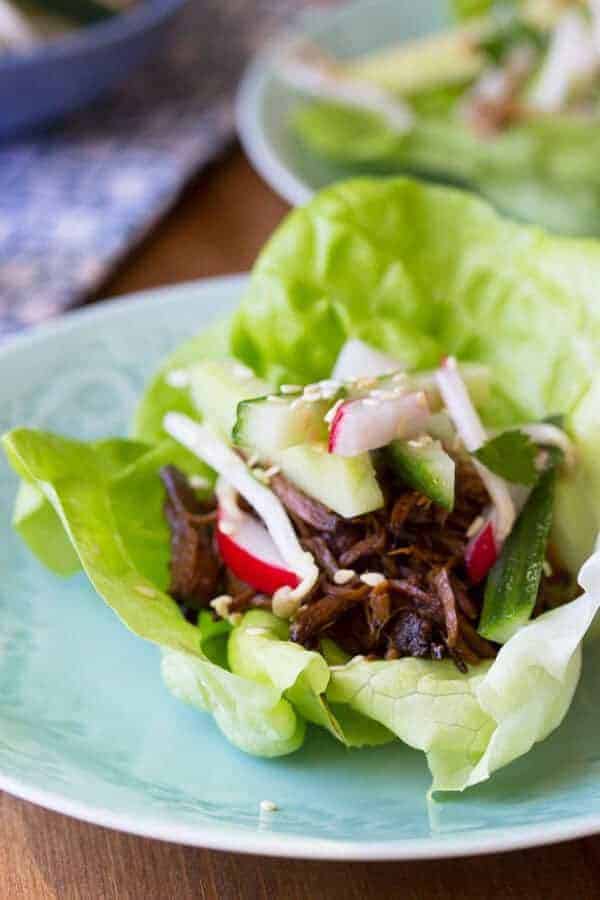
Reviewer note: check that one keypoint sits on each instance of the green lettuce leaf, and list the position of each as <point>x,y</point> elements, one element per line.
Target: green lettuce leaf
<point>471,725</point>
<point>423,271</point>
<point>109,499</point>
<point>259,650</point>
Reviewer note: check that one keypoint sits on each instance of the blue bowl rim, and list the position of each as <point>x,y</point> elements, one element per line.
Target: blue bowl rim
<point>147,14</point>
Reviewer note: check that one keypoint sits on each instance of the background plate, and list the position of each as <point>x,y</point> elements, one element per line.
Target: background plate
<point>265,105</point>
<point>87,727</point>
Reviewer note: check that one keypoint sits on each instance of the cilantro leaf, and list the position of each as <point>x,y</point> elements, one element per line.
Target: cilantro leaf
<point>511,455</point>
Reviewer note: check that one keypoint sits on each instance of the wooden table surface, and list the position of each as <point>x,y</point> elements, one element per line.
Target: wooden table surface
<point>217,228</point>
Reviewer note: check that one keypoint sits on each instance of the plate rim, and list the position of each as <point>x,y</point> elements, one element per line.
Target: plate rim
<point>237,839</point>
<point>259,150</point>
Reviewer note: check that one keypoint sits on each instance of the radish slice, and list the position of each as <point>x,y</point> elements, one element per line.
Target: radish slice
<point>372,422</point>
<point>359,360</point>
<point>202,441</point>
<point>308,69</point>
<point>481,553</point>
<point>473,435</point>
<point>247,548</point>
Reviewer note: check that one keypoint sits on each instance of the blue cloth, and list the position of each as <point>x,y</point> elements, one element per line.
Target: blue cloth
<point>73,201</point>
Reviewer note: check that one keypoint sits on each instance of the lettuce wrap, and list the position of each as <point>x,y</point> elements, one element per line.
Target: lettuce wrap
<point>416,271</point>
<point>539,169</point>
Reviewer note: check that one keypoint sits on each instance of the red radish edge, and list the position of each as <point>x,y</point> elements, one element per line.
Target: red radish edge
<point>481,554</point>
<point>258,573</point>
<point>337,421</point>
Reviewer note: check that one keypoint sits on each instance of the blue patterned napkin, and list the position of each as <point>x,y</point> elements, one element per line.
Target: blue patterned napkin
<point>74,201</point>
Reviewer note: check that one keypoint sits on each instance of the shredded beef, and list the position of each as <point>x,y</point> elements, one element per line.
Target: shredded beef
<point>303,507</point>
<point>195,566</point>
<point>424,607</point>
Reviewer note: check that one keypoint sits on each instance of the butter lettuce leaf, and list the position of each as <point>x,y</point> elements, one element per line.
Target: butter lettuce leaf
<point>259,649</point>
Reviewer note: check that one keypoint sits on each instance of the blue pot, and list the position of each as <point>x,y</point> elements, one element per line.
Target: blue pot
<point>66,74</point>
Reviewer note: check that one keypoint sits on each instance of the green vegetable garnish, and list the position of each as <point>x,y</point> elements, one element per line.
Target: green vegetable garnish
<point>511,455</point>
<point>513,582</point>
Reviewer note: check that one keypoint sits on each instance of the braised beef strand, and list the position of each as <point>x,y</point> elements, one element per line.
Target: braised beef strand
<point>195,566</point>
<point>424,606</point>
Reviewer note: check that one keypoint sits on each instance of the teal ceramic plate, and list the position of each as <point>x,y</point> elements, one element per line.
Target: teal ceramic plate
<point>265,104</point>
<point>87,727</point>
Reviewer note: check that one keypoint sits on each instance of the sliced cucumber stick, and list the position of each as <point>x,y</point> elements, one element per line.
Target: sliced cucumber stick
<point>347,485</point>
<point>426,468</point>
<point>513,583</point>
<point>266,425</point>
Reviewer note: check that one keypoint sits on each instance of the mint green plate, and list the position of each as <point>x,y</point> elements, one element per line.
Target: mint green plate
<point>87,727</point>
<point>265,105</point>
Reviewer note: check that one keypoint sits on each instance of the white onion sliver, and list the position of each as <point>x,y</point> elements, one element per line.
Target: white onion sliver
<point>473,435</point>
<point>572,54</point>
<point>202,441</point>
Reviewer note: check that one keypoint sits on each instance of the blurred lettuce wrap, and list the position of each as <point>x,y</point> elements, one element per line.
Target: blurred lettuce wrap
<point>538,166</point>
<point>417,271</point>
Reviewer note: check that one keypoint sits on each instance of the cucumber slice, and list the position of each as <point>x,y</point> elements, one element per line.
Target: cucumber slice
<point>426,468</point>
<point>451,57</point>
<point>217,386</point>
<point>266,425</point>
<point>513,582</point>
<point>347,485</point>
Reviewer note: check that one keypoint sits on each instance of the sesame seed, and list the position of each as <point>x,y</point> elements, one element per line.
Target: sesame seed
<point>382,394</point>
<point>418,443</point>
<point>267,806</point>
<point>330,414</point>
<point>364,384</point>
<point>372,578</point>
<point>548,571</point>
<point>226,527</point>
<point>343,576</point>
<point>284,604</point>
<point>272,471</point>
<point>198,482</point>
<point>146,591</point>
<point>257,631</point>
<point>312,394</point>
<point>297,402</point>
<point>475,526</point>
<point>290,388</point>
<point>253,460</point>
<point>221,605</point>
<point>178,378</point>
